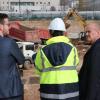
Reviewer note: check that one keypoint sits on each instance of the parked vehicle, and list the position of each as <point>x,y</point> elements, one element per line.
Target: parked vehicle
<point>27,49</point>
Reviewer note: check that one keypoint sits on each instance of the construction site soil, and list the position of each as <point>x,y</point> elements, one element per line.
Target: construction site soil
<point>29,78</point>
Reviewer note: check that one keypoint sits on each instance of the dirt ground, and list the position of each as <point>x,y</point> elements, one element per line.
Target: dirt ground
<point>31,84</point>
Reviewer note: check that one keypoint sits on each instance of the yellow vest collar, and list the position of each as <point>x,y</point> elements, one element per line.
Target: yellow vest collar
<point>58,39</point>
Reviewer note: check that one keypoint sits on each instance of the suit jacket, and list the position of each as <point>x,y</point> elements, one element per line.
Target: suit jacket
<point>10,56</point>
<point>89,76</point>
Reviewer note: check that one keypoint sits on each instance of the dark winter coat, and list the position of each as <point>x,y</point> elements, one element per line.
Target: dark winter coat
<point>89,75</point>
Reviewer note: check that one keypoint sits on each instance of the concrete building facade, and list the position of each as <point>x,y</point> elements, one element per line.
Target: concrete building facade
<point>20,6</point>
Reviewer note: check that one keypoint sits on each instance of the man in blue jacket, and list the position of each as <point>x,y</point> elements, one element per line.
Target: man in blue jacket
<point>89,76</point>
<point>11,87</point>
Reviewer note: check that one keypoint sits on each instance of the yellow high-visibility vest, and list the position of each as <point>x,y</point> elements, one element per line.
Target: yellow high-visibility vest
<point>65,73</point>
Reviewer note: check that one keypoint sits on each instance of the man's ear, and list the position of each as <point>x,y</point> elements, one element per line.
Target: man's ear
<point>1,27</point>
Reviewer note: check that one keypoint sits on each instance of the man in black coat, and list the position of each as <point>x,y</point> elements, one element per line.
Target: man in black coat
<point>89,76</point>
<point>11,87</point>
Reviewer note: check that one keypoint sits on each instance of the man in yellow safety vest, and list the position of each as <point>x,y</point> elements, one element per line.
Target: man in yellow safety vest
<point>56,64</point>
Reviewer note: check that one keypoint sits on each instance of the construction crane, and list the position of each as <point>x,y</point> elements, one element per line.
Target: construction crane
<point>74,13</point>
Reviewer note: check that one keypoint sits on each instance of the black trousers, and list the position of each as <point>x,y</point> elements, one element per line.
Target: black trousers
<point>13,98</point>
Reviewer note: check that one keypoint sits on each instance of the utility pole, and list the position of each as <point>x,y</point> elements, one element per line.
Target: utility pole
<point>9,5</point>
<point>19,8</point>
<point>94,15</point>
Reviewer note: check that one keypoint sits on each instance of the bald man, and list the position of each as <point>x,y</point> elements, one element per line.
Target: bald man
<point>89,75</point>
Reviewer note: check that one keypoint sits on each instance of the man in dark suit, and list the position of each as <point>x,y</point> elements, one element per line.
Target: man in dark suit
<point>11,87</point>
<point>89,76</point>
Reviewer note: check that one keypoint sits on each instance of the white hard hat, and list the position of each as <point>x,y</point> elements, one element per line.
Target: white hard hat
<point>57,24</point>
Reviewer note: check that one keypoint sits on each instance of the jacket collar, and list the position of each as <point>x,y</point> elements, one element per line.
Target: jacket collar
<point>1,35</point>
<point>58,39</point>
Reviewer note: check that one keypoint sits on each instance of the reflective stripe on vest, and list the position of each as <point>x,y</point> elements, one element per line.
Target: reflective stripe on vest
<point>60,68</point>
<point>42,59</point>
<point>74,63</point>
<point>55,69</point>
<point>60,96</point>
